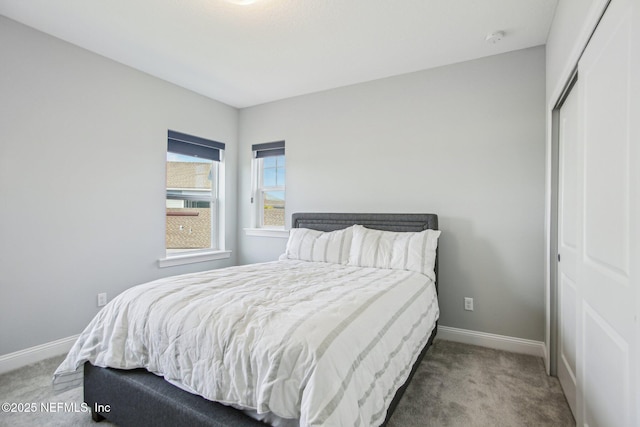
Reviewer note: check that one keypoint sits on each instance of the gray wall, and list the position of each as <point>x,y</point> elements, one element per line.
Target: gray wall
<point>572,24</point>
<point>466,141</point>
<point>82,171</point>
<point>82,166</point>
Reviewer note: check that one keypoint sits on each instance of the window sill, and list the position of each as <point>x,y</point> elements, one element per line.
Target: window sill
<point>190,258</point>
<point>267,232</point>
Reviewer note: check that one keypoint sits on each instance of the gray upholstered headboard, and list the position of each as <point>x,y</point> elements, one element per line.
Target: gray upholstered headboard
<point>380,221</point>
<point>324,221</point>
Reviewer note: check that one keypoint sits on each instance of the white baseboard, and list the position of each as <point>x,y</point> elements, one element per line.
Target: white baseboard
<point>499,342</point>
<point>18,359</point>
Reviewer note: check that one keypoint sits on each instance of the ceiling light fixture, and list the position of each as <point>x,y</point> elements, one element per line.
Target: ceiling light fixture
<point>494,37</point>
<point>241,2</point>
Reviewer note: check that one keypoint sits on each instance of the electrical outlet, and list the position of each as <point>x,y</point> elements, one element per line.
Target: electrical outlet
<point>102,299</point>
<point>468,304</point>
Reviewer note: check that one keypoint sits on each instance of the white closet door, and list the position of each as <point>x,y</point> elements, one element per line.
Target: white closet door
<point>568,247</point>
<point>607,238</point>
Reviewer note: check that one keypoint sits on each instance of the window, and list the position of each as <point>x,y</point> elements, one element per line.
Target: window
<point>192,193</point>
<point>269,184</point>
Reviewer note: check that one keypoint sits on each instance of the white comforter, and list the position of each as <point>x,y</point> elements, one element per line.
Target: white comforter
<point>323,343</point>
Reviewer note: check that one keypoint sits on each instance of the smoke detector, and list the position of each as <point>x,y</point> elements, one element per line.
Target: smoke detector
<point>494,37</point>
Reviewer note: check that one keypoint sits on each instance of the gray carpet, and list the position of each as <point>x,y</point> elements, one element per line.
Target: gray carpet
<point>456,385</point>
<point>465,385</point>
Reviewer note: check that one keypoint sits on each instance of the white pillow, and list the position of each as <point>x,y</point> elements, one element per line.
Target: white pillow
<point>324,246</point>
<point>414,251</point>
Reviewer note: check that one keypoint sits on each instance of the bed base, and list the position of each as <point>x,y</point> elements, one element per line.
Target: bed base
<point>139,398</point>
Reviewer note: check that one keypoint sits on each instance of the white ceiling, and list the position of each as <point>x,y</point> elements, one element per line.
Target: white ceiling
<point>245,55</point>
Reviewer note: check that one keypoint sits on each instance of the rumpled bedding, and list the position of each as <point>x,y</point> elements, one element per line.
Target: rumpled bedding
<point>326,344</point>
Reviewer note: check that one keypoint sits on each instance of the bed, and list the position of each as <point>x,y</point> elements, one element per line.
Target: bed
<point>124,392</point>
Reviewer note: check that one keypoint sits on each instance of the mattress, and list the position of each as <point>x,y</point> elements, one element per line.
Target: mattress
<point>314,342</point>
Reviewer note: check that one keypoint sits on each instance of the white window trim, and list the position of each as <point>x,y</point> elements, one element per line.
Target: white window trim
<point>192,257</point>
<point>267,232</point>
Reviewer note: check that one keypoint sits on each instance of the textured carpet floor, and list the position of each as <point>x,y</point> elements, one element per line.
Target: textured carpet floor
<point>456,385</point>
<point>464,385</point>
